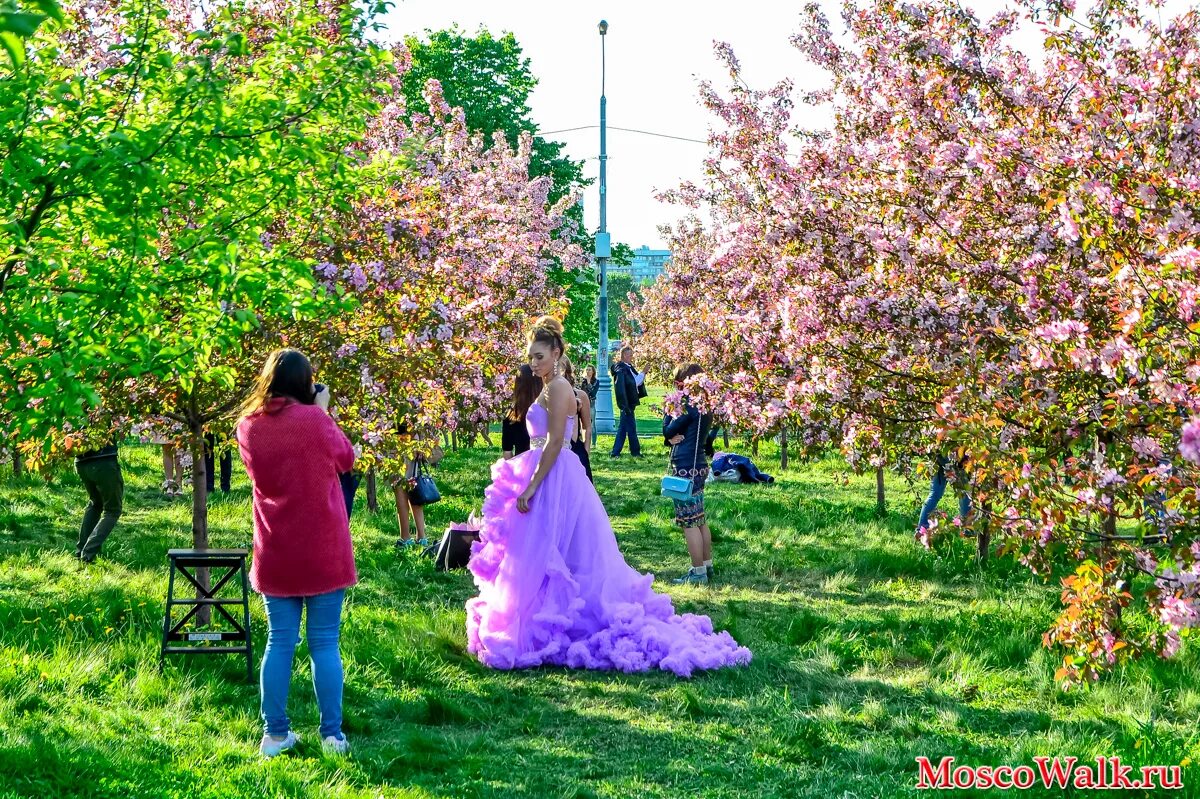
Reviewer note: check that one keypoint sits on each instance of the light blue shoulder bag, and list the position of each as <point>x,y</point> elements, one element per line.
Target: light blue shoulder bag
<point>681,487</point>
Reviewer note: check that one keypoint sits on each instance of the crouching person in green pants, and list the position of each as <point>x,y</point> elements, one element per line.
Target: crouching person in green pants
<point>100,472</point>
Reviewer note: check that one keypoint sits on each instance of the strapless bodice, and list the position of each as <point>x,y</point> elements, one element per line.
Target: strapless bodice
<point>537,422</point>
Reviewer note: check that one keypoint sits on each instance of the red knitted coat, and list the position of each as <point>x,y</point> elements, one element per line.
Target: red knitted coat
<point>294,454</point>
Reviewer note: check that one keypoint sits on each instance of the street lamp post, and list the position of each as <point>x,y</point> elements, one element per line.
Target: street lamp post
<point>603,413</point>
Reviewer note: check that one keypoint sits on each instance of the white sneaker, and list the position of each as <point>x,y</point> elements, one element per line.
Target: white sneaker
<point>271,747</point>
<point>334,746</point>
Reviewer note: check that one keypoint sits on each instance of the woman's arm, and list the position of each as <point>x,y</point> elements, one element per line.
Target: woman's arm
<point>562,401</point>
<point>341,451</point>
<point>585,421</point>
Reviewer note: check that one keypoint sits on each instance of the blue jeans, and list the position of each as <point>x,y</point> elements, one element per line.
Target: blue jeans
<point>324,624</point>
<point>937,487</point>
<point>627,428</point>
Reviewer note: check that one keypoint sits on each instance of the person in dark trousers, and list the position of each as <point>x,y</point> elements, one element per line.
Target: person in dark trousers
<point>349,482</point>
<point>625,392</point>
<point>937,487</point>
<point>514,437</point>
<point>210,444</point>
<point>100,472</point>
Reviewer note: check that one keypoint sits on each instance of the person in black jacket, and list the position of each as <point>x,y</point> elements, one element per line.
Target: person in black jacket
<point>687,436</point>
<point>100,472</point>
<point>625,393</point>
<point>514,436</point>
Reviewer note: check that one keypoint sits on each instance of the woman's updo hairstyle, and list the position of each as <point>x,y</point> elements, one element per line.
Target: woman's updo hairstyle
<point>549,331</point>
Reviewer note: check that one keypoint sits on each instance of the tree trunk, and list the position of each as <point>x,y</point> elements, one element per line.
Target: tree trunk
<point>880,495</point>
<point>18,466</point>
<point>754,448</point>
<point>454,441</point>
<point>983,536</point>
<point>372,492</point>
<point>725,437</point>
<point>783,450</point>
<point>199,510</point>
<point>487,437</point>
<point>1109,524</point>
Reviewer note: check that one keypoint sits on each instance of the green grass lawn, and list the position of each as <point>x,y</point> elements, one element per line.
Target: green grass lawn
<point>868,652</point>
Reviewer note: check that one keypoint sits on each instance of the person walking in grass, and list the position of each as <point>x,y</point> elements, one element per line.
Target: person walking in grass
<point>687,435</point>
<point>100,471</point>
<point>303,559</point>
<point>937,488</point>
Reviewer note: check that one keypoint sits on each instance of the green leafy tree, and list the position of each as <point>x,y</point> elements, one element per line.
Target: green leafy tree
<point>162,181</point>
<point>19,21</point>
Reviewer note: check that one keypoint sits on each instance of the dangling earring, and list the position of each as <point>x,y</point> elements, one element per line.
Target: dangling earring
<point>556,363</point>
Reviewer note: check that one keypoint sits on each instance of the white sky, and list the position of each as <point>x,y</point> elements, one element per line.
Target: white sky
<point>657,52</point>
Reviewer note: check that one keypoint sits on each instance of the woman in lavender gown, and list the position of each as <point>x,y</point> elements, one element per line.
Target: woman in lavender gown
<point>554,588</point>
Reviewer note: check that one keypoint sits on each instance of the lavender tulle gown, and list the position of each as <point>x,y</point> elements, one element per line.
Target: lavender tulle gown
<point>555,590</point>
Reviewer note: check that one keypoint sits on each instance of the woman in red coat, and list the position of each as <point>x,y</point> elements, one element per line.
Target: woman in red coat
<point>303,559</point>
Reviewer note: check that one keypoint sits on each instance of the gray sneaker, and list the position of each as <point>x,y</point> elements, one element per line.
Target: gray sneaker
<point>709,573</point>
<point>691,578</point>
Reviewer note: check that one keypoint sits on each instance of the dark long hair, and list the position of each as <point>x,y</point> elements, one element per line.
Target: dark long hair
<point>526,389</point>
<point>684,371</point>
<point>287,374</point>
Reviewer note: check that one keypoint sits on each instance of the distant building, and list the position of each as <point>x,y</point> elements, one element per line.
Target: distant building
<point>647,265</point>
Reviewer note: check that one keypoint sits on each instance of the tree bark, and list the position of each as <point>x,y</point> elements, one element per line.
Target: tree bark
<point>983,535</point>
<point>754,448</point>
<point>880,495</point>
<point>725,437</point>
<point>17,466</point>
<point>487,436</point>
<point>372,492</point>
<point>783,450</point>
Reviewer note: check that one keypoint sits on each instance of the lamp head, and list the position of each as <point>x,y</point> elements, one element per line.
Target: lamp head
<point>603,27</point>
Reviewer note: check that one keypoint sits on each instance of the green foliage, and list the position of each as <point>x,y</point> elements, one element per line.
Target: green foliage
<point>620,285</point>
<point>18,22</point>
<point>868,652</point>
<point>145,178</point>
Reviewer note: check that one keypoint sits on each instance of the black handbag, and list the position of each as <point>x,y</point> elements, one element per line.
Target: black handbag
<point>424,490</point>
<point>454,550</point>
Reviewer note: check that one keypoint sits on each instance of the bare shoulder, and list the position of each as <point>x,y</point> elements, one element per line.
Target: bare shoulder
<point>560,391</point>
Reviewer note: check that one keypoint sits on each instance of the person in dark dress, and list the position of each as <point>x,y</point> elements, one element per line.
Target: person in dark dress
<point>514,437</point>
<point>687,435</point>
<point>581,442</point>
